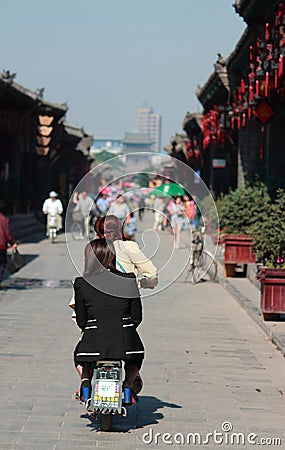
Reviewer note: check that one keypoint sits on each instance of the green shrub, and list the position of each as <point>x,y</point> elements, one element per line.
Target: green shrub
<point>268,235</point>
<point>242,208</point>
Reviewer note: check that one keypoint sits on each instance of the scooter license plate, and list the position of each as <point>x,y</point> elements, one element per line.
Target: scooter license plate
<point>106,388</point>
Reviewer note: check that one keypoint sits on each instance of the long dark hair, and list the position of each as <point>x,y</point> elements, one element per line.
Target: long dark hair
<point>99,227</point>
<point>109,227</point>
<point>99,257</point>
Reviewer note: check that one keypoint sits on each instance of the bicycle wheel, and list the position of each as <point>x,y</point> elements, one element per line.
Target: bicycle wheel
<point>77,231</point>
<point>206,268</point>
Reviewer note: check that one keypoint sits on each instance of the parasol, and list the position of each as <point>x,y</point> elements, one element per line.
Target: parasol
<point>171,189</point>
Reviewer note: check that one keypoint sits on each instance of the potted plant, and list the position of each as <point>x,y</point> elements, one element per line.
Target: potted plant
<point>268,239</point>
<point>238,212</point>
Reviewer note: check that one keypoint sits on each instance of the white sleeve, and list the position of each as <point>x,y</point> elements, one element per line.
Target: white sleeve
<point>60,207</point>
<point>45,206</point>
<point>140,260</point>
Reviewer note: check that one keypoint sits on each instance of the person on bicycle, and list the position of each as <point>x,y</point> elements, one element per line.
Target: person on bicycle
<point>53,205</point>
<point>86,208</point>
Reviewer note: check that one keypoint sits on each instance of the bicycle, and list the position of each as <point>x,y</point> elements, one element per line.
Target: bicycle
<point>78,227</point>
<point>201,264</point>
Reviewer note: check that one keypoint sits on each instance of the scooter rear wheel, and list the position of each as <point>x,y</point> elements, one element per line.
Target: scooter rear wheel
<point>106,420</point>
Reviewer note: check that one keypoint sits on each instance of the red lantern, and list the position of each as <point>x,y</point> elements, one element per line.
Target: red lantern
<point>251,94</point>
<point>266,84</point>
<point>280,66</point>
<point>257,88</point>
<point>249,113</point>
<point>250,53</point>
<point>267,32</point>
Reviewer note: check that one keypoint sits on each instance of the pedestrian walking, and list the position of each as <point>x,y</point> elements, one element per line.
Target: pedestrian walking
<point>86,208</point>
<point>158,207</point>
<point>190,209</point>
<point>177,214</point>
<point>5,239</point>
<point>119,208</point>
<point>130,227</point>
<point>102,204</point>
<point>141,208</point>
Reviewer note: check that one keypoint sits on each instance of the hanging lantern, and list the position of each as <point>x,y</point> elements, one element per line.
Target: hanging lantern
<point>249,113</point>
<point>281,66</point>
<point>257,88</point>
<point>267,32</point>
<point>251,94</point>
<point>266,90</point>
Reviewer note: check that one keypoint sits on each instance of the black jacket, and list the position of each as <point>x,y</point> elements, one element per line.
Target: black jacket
<point>108,310</point>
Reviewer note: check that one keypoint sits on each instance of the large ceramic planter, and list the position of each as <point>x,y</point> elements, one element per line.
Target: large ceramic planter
<point>272,292</point>
<point>238,250</point>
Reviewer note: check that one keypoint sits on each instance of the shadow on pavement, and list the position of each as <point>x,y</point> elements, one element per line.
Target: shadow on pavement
<point>35,283</point>
<point>140,415</point>
<point>148,407</point>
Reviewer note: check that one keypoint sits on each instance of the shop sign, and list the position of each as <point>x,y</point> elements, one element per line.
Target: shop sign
<point>219,163</point>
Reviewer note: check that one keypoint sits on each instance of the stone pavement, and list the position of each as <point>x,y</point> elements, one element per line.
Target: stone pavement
<point>208,364</point>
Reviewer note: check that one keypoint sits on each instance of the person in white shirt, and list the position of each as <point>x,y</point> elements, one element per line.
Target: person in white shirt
<point>119,208</point>
<point>53,205</point>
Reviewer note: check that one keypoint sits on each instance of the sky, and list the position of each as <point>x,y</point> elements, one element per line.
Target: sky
<point>108,58</point>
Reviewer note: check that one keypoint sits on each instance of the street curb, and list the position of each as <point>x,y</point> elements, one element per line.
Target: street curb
<point>253,312</point>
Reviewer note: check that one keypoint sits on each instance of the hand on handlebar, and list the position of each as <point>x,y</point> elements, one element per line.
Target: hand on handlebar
<point>148,283</point>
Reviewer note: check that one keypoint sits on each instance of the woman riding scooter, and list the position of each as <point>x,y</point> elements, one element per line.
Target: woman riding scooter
<point>108,310</point>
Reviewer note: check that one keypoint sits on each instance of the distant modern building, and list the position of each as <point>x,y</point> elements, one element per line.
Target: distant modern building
<point>134,146</point>
<point>150,123</point>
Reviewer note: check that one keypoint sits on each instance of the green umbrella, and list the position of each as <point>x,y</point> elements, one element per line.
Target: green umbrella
<point>171,189</point>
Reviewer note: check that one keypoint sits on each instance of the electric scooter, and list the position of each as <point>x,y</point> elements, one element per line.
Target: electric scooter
<point>109,396</point>
<point>52,227</point>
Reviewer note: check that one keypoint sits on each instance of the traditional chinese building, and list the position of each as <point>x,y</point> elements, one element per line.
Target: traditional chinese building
<point>195,157</point>
<point>257,75</point>
<point>35,154</point>
<point>219,146</point>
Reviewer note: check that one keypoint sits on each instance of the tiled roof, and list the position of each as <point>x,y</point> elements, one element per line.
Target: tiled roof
<point>192,117</point>
<point>218,79</point>
<point>250,9</point>
<point>36,97</point>
<point>241,51</point>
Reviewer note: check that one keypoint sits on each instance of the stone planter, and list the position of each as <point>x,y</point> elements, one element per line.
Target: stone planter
<point>238,250</point>
<point>272,302</point>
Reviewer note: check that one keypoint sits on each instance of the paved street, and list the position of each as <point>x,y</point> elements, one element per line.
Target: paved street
<point>207,362</point>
